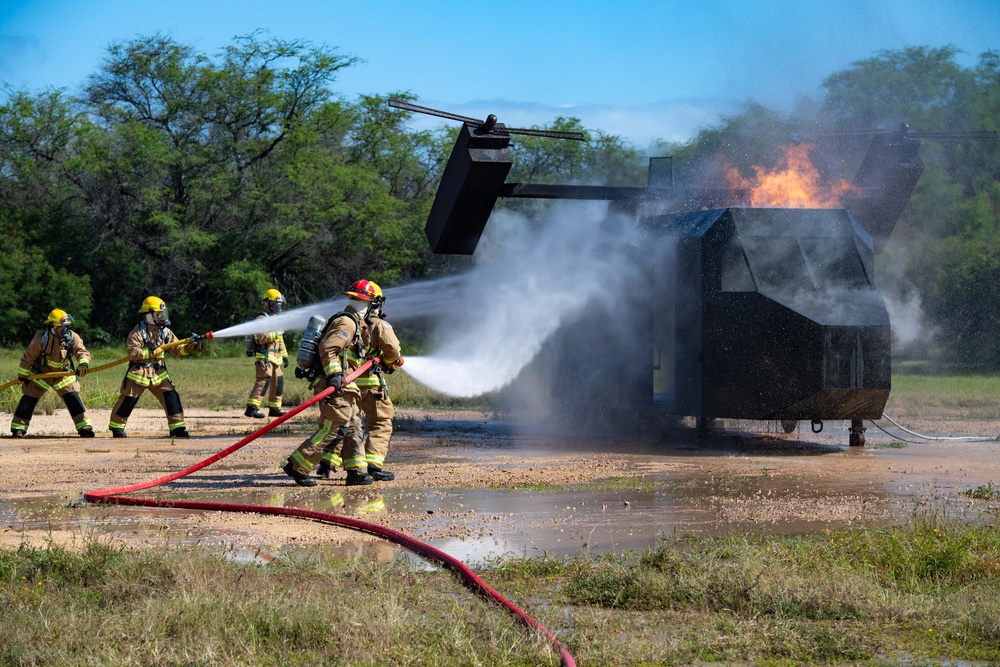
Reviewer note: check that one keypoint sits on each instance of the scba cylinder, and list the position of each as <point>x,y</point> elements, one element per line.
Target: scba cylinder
<point>310,342</point>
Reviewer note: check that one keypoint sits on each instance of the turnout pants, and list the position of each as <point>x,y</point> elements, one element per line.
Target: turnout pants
<point>34,390</point>
<point>339,419</point>
<point>164,392</point>
<point>268,373</point>
<point>378,411</point>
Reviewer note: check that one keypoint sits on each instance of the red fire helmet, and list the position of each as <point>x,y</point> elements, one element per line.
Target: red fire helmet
<point>364,290</point>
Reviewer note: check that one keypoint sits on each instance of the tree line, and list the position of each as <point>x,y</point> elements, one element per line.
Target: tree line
<point>207,179</point>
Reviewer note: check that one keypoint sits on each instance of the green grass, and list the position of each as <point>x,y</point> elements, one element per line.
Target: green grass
<point>109,606</point>
<point>957,396</point>
<point>931,588</point>
<point>988,491</point>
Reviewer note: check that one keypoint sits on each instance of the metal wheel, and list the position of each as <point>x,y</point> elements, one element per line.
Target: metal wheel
<point>789,425</point>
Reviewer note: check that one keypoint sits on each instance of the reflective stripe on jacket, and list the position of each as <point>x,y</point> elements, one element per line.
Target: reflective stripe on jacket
<point>383,343</point>
<point>338,348</point>
<point>270,345</point>
<point>46,354</point>
<point>145,369</point>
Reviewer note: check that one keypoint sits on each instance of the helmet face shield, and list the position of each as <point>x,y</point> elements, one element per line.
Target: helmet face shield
<point>64,329</point>
<point>158,317</point>
<point>274,306</point>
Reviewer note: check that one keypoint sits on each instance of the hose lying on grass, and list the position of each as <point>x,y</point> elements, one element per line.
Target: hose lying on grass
<point>113,496</point>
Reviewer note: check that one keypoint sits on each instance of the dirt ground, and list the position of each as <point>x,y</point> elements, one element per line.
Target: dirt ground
<point>447,464</point>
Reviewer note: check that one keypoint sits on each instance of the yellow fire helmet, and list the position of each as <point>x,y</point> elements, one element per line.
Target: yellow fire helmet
<point>272,301</point>
<point>59,318</point>
<point>273,295</point>
<point>156,311</point>
<point>153,304</point>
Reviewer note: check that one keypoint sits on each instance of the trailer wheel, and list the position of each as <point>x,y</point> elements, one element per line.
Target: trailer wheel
<point>789,425</point>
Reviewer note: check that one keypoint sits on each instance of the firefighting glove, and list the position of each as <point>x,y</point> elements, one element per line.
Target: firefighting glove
<point>391,368</point>
<point>82,369</point>
<point>284,362</point>
<point>336,381</point>
<point>157,353</point>
<point>23,379</point>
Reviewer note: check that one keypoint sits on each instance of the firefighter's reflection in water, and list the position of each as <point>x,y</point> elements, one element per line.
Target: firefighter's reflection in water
<point>363,507</point>
<point>335,503</point>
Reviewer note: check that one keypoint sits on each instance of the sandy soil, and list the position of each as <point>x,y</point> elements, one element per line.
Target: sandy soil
<point>745,474</point>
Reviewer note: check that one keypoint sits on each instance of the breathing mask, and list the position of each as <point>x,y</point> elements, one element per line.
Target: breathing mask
<point>158,317</point>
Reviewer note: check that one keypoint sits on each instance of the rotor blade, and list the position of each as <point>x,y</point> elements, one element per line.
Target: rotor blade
<point>973,134</point>
<point>552,134</point>
<point>399,104</point>
<point>914,134</point>
<point>500,128</point>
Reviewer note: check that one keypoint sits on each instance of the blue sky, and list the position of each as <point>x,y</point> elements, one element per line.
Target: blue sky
<point>641,70</point>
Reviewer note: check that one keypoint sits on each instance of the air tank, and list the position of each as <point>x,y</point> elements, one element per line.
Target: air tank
<point>310,342</point>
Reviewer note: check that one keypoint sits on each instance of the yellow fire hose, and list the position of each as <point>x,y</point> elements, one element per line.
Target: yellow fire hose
<point>96,369</point>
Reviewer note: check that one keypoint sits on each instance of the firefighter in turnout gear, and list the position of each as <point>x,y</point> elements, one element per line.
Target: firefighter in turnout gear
<point>53,350</point>
<point>268,350</point>
<point>375,405</point>
<point>147,370</point>
<point>339,353</point>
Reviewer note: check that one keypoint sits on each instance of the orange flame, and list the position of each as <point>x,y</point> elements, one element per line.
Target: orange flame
<point>794,184</point>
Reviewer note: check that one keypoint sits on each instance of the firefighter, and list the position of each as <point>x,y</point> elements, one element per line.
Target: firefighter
<point>268,350</point>
<point>147,370</point>
<point>52,350</point>
<point>339,353</point>
<point>375,405</point>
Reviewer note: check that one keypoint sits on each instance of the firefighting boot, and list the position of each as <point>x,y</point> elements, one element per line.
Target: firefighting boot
<point>324,470</point>
<point>380,475</point>
<point>15,433</point>
<point>355,478</point>
<point>86,432</point>
<point>118,433</point>
<point>300,479</point>
<point>252,411</point>
<point>179,432</point>
<point>275,412</point>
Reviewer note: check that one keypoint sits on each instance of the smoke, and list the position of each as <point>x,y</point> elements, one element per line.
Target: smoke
<point>530,278</point>
<point>911,331</point>
<point>909,327</point>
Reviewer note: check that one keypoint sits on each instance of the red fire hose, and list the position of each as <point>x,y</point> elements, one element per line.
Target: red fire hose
<point>112,496</point>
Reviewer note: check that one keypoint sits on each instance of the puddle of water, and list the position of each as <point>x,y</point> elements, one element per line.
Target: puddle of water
<point>473,525</point>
